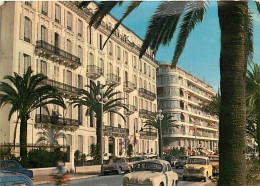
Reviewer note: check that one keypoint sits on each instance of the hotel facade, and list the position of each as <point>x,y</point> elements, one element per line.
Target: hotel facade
<point>181,95</point>
<point>54,38</point>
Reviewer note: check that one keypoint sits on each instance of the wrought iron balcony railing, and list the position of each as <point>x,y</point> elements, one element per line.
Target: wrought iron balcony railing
<point>147,94</point>
<point>131,109</point>
<point>112,78</point>
<point>146,113</point>
<point>110,130</point>
<point>62,86</point>
<point>129,86</point>
<point>94,71</point>
<point>60,55</point>
<point>56,120</point>
<point>148,133</point>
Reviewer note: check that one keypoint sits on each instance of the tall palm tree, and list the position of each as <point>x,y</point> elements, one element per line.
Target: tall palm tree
<point>25,94</point>
<point>89,99</point>
<point>236,50</point>
<point>253,96</point>
<point>50,137</point>
<point>166,123</point>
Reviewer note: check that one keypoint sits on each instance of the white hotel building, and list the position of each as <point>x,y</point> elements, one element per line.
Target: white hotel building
<point>181,94</point>
<point>54,38</point>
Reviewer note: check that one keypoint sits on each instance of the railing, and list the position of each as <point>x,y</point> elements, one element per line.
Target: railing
<point>145,113</point>
<point>114,78</point>
<point>57,51</point>
<point>147,94</point>
<point>129,86</point>
<point>93,69</point>
<point>56,120</point>
<point>148,133</point>
<point>117,130</point>
<point>131,109</point>
<point>62,86</point>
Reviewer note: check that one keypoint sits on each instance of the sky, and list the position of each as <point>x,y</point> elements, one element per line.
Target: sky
<point>202,51</point>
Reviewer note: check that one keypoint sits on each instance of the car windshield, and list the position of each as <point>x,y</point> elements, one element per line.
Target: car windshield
<point>197,161</point>
<point>148,166</point>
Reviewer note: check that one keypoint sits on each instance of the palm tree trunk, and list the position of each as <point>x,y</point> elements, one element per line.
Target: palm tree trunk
<point>258,129</point>
<point>233,64</point>
<point>99,138</point>
<point>23,139</point>
<point>15,129</point>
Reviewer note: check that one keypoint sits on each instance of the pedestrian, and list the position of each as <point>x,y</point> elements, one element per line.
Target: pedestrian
<point>60,175</point>
<point>19,160</point>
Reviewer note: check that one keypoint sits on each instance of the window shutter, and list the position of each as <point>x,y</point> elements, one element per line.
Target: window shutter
<point>21,27</point>
<point>21,66</point>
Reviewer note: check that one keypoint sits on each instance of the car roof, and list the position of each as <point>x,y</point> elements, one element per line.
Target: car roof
<point>155,161</point>
<point>201,157</point>
<point>8,176</point>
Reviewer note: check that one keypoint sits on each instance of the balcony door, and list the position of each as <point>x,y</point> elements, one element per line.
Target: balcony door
<point>126,77</point>
<point>56,40</point>
<point>111,146</point>
<point>69,77</point>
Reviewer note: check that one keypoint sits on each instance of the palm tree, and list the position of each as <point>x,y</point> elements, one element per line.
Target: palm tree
<point>89,99</point>
<point>50,137</point>
<point>236,50</point>
<point>25,94</point>
<point>166,123</point>
<point>253,96</point>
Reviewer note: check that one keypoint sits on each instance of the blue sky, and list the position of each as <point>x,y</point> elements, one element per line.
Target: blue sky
<point>202,50</point>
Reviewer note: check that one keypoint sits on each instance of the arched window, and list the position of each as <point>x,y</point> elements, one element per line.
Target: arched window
<point>27,29</point>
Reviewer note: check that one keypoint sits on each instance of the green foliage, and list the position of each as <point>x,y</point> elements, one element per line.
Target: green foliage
<point>253,172</point>
<point>212,107</point>
<point>177,152</point>
<point>6,153</point>
<point>129,150</point>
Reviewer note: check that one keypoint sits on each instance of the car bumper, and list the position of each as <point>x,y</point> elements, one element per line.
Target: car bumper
<point>194,175</point>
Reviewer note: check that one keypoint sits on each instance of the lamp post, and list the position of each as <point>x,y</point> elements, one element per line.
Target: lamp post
<point>160,117</point>
<point>101,99</point>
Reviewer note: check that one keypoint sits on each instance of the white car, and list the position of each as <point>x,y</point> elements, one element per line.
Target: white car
<point>152,173</point>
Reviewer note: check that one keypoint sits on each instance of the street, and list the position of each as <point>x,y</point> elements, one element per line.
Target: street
<point>116,180</point>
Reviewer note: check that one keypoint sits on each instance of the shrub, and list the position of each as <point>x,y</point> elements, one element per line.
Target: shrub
<point>253,172</point>
<point>129,150</point>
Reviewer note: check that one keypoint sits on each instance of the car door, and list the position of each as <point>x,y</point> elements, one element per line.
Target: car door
<point>169,175</point>
<point>124,164</point>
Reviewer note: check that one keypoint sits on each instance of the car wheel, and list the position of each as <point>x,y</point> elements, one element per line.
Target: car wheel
<point>177,167</point>
<point>130,169</point>
<point>120,170</point>
<point>184,178</point>
<point>206,178</point>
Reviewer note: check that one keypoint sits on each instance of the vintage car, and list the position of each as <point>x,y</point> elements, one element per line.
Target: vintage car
<point>214,160</point>
<point>181,162</point>
<point>14,166</point>
<point>15,179</point>
<point>151,172</point>
<point>117,165</point>
<point>198,167</point>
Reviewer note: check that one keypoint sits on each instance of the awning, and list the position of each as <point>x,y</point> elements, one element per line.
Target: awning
<point>183,114</point>
<point>193,120</point>
<point>210,123</point>
<point>183,90</point>
<point>191,128</point>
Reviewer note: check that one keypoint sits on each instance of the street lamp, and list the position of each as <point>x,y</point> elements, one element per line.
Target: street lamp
<point>160,118</point>
<point>100,97</point>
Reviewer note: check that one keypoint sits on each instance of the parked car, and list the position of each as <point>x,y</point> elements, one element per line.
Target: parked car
<point>117,165</point>
<point>181,162</point>
<point>214,160</point>
<point>151,172</point>
<point>171,159</point>
<point>198,167</point>
<point>14,166</point>
<point>13,178</point>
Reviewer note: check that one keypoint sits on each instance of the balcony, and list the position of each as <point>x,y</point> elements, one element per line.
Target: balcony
<point>113,79</point>
<point>94,72</point>
<point>115,131</point>
<point>58,55</point>
<point>147,94</point>
<point>148,134</point>
<point>65,88</point>
<point>146,114</point>
<point>44,121</point>
<point>129,86</point>
<point>131,109</point>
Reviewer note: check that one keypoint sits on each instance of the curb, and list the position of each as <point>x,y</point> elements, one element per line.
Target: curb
<point>75,178</point>
<point>208,183</point>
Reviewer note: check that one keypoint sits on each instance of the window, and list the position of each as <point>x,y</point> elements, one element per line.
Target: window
<point>69,21</point>
<point>153,74</point>
<point>80,82</point>
<point>126,57</point>
<point>80,53</point>
<point>69,49</point>
<point>110,48</point>
<point>144,68</point>
<point>45,8</point>
<point>100,42</point>
<point>118,53</point>
<point>101,65</point>
<point>43,33</point>
<point>80,143</point>
<point>80,115</point>
<point>140,65</point>
<point>56,73</point>
<point>27,62</point>
<point>89,35</point>
<point>57,40</point>
<point>28,3</point>
<point>27,29</point>
<point>69,77</point>
<point>44,68</point>
<point>80,28</point>
<point>91,59</point>
<point>134,62</point>
<point>57,13</point>
<point>135,80</point>
<point>149,71</point>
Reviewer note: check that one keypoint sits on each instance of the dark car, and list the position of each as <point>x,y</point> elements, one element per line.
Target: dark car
<point>13,166</point>
<point>15,179</point>
<point>117,165</point>
<point>181,162</point>
<point>171,159</point>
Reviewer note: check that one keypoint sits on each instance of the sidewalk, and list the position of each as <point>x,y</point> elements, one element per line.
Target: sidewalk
<point>38,180</point>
